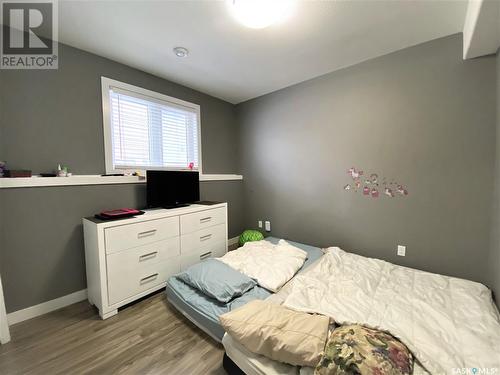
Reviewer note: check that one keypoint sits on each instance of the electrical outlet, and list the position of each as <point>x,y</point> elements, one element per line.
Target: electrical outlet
<point>268,226</point>
<point>260,223</point>
<point>401,250</point>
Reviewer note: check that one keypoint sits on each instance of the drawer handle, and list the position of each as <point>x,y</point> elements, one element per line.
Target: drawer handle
<point>205,219</point>
<point>206,255</point>
<point>148,279</point>
<point>148,256</point>
<point>206,237</point>
<point>147,233</point>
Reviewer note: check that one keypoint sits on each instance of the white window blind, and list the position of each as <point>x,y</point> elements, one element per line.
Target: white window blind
<point>149,133</point>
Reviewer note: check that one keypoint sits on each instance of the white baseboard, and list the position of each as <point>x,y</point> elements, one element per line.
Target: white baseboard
<point>232,241</point>
<point>46,307</point>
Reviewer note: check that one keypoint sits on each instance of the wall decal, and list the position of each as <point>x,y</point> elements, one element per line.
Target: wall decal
<point>401,190</point>
<point>354,173</point>
<point>371,187</point>
<point>388,192</point>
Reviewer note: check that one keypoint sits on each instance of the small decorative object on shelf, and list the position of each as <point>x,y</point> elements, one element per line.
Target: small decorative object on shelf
<point>2,168</point>
<point>129,172</point>
<point>17,173</point>
<point>250,235</point>
<point>63,171</point>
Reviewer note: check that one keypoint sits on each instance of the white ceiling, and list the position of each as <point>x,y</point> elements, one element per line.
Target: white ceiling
<point>235,63</point>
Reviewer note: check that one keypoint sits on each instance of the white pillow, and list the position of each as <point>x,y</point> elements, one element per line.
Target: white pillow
<point>282,334</point>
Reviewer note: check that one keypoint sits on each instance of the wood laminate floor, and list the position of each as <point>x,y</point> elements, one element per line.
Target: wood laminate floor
<point>148,337</point>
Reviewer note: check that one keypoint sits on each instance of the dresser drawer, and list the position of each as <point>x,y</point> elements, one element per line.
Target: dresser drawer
<point>133,235</point>
<point>208,251</point>
<point>203,238</point>
<point>124,285</point>
<point>142,256</point>
<point>204,219</point>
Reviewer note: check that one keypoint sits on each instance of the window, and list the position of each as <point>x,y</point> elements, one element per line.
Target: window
<point>147,130</point>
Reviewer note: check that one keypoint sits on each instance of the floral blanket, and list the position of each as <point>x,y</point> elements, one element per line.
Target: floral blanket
<point>354,349</point>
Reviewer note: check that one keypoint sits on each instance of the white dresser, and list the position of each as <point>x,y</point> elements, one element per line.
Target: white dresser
<point>130,258</point>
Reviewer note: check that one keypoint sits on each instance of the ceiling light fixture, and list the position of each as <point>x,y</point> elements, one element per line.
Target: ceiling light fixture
<point>181,51</point>
<point>259,14</point>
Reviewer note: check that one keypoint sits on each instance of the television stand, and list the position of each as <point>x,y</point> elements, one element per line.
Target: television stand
<point>134,257</point>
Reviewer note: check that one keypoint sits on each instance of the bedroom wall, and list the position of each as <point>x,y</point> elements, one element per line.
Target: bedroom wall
<point>422,116</point>
<point>494,256</point>
<point>51,117</point>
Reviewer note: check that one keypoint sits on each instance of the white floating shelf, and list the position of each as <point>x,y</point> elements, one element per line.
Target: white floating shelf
<point>220,177</point>
<point>22,182</point>
<point>67,181</point>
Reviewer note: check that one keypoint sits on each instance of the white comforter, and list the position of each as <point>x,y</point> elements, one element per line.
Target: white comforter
<point>450,324</point>
<point>270,265</point>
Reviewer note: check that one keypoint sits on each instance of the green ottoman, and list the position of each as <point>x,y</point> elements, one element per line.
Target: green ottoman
<point>250,235</point>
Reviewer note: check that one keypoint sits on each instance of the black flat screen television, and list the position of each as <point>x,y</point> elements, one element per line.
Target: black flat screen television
<point>169,189</point>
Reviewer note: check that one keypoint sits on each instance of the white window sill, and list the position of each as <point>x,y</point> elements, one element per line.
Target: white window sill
<point>22,182</point>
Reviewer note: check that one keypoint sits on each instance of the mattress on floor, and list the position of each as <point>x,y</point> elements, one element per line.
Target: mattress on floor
<point>204,311</point>
<point>256,364</point>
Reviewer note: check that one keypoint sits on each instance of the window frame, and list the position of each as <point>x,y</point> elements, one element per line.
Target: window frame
<point>106,85</point>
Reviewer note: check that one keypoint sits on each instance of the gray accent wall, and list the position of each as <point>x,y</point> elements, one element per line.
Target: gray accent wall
<point>494,256</point>
<point>422,116</point>
<point>51,117</point>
